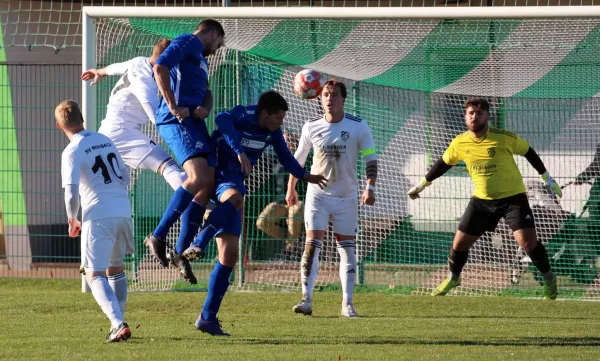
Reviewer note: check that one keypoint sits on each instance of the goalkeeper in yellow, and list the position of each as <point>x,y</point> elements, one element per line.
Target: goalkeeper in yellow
<point>499,192</point>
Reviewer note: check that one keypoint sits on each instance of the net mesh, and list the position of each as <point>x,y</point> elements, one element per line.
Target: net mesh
<point>409,79</point>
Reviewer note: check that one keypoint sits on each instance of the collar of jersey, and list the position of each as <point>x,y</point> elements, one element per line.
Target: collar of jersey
<point>479,140</point>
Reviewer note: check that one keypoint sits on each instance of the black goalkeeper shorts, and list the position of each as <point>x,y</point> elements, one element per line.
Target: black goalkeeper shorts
<point>483,215</point>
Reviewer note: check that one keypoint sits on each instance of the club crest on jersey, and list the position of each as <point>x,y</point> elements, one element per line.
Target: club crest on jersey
<point>345,135</point>
<point>491,152</point>
<point>199,144</point>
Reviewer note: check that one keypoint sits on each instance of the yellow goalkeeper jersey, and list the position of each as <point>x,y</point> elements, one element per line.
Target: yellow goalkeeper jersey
<point>490,162</point>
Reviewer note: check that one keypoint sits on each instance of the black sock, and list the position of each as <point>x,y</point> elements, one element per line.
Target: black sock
<point>456,262</point>
<point>539,257</point>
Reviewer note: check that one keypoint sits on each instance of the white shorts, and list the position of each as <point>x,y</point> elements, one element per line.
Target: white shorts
<point>106,241</point>
<point>136,148</point>
<point>343,213</point>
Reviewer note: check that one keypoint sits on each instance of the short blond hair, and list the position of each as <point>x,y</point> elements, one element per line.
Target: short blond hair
<point>68,114</point>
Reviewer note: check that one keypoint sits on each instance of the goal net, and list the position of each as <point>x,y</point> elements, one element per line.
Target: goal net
<point>409,79</point>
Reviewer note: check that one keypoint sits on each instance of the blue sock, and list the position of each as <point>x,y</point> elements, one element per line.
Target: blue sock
<point>191,220</point>
<point>216,220</point>
<point>217,287</point>
<point>179,202</point>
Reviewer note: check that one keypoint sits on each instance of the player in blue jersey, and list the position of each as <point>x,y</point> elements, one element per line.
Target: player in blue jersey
<point>181,74</point>
<point>241,137</point>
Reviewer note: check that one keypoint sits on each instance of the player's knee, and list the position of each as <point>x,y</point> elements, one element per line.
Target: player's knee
<point>237,200</point>
<point>172,173</point>
<point>113,270</point>
<point>195,183</point>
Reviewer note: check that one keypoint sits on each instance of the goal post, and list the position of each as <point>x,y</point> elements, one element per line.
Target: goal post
<point>409,72</point>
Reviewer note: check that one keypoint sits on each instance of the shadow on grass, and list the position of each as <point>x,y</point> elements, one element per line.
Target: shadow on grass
<point>518,341</point>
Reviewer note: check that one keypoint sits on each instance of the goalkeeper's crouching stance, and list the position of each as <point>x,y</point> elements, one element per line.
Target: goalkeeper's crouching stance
<point>499,192</point>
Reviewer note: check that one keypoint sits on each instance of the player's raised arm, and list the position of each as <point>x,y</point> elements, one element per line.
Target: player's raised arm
<point>98,74</point>
<point>447,161</point>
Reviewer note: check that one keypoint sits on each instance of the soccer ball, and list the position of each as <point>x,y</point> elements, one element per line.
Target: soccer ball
<point>308,84</point>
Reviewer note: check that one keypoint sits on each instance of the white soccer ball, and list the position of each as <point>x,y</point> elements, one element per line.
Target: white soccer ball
<point>308,84</point>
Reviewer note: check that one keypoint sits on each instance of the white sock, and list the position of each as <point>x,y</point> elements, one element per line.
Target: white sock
<point>309,267</point>
<point>173,174</point>
<point>347,251</point>
<point>107,300</point>
<point>118,283</point>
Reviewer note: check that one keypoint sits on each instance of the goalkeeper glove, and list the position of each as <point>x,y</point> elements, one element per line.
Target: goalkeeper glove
<point>551,184</point>
<point>413,193</point>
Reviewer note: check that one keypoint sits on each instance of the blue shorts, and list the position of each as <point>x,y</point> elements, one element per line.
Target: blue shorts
<point>225,180</point>
<point>187,139</point>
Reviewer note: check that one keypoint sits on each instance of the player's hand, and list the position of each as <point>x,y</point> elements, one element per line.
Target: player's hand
<point>368,197</point>
<point>317,179</point>
<point>181,113</point>
<point>413,193</point>
<point>291,197</point>
<point>200,113</point>
<point>245,163</point>
<point>74,227</point>
<point>551,183</point>
<point>92,74</point>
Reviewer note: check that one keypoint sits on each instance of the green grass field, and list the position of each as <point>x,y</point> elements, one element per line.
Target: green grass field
<point>53,320</point>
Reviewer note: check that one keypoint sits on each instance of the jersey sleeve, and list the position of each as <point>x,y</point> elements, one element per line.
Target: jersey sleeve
<point>284,155</point>
<point>518,145</point>
<point>226,123</point>
<point>451,156</point>
<point>70,167</point>
<point>304,145</point>
<point>366,144</point>
<point>179,48</point>
<point>118,68</point>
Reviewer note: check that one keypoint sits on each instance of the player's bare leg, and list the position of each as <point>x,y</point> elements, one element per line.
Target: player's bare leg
<point>346,246</point>
<point>456,261</point>
<point>198,178</point>
<point>309,269</point>
<point>527,239</point>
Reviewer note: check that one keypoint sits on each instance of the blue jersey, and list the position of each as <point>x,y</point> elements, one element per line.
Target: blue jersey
<point>188,72</point>
<point>238,132</point>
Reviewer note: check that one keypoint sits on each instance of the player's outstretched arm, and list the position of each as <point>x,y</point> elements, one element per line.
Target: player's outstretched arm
<point>304,147</point>
<point>291,164</point>
<point>437,170</point>
<point>98,74</point>
<point>536,162</point>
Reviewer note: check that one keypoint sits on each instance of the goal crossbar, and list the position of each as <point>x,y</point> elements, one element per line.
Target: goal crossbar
<point>504,12</point>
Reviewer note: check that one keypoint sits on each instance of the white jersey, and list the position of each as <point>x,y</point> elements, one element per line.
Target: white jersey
<point>92,161</point>
<point>136,87</point>
<point>336,147</point>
